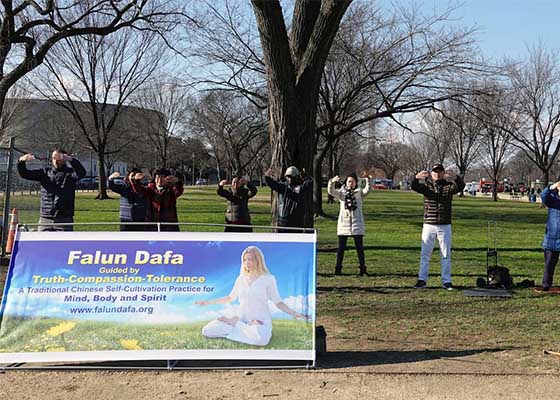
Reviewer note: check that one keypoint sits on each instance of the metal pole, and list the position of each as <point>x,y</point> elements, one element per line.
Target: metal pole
<point>7,197</point>
<point>193,169</point>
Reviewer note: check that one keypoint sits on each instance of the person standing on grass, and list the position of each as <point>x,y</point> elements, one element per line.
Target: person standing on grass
<point>438,189</point>
<point>237,212</point>
<point>350,218</point>
<point>133,205</point>
<point>291,198</point>
<point>58,187</point>
<point>551,243</point>
<point>161,198</point>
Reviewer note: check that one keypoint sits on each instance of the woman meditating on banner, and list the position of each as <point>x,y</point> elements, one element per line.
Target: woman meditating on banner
<point>254,287</point>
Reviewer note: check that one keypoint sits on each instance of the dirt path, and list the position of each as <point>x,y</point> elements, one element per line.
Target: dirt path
<point>301,384</point>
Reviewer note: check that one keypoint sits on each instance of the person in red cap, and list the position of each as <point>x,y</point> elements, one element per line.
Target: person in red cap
<point>438,189</point>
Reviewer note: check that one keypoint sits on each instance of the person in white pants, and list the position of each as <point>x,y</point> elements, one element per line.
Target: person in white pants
<point>254,287</point>
<point>429,235</point>
<point>438,189</point>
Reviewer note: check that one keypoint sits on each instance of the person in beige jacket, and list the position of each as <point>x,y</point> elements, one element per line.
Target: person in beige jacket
<point>350,218</point>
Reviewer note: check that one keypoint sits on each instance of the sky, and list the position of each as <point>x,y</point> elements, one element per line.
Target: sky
<point>507,27</point>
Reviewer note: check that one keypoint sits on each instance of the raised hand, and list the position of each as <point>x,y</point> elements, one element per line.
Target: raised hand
<point>222,183</point>
<point>422,175</point>
<point>27,157</point>
<point>336,179</point>
<point>114,175</point>
<point>269,172</point>
<point>139,176</point>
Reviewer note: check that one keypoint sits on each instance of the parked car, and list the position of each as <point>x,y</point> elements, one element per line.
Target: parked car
<point>87,183</point>
<point>201,181</point>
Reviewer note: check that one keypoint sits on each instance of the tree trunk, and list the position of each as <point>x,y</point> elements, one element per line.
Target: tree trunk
<point>294,67</point>
<point>102,186</point>
<point>545,177</point>
<point>292,140</point>
<point>318,187</point>
<point>495,187</point>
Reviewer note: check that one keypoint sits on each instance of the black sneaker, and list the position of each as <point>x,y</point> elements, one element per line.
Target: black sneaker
<point>420,284</point>
<point>448,286</point>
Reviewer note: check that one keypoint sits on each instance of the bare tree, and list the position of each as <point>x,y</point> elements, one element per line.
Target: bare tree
<point>499,118</point>
<point>464,131</point>
<point>167,106</point>
<point>232,127</point>
<point>30,29</point>
<point>379,66</point>
<point>94,77</point>
<point>521,168</point>
<point>389,66</point>
<point>535,84</point>
<point>436,128</point>
<point>420,155</point>
<point>294,65</point>
<point>389,156</point>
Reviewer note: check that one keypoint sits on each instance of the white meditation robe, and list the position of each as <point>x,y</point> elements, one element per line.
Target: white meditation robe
<point>253,305</point>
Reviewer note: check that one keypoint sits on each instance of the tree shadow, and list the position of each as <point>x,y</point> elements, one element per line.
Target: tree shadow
<point>417,248</point>
<point>346,359</point>
<point>384,289</point>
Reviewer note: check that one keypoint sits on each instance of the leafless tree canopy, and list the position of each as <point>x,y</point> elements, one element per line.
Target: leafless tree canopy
<point>29,29</point>
<point>234,129</point>
<point>535,88</point>
<point>169,100</point>
<point>93,77</point>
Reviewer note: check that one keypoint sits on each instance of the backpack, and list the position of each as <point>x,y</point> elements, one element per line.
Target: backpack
<point>499,277</point>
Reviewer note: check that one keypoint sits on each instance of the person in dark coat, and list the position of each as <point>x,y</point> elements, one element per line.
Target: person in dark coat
<point>237,212</point>
<point>438,189</point>
<point>58,187</point>
<point>292,202</point>
<point>133,205</point>
<point>161,198</point>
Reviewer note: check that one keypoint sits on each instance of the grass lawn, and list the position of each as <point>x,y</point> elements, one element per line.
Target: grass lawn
<point>36,335</point>
<point>383,312</point>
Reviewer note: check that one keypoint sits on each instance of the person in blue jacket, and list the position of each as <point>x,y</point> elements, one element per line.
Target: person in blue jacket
<point>551,243</point>
<point>133,205</point>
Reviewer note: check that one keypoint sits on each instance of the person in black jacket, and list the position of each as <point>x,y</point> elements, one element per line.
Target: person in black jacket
<point>58,186</point>
<point>438,194</point>
<point>291,198</point>
<point>237,212</point>
<point>133,205</point>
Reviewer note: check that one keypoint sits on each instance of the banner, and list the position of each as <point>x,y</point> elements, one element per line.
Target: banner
<point>93,296</point>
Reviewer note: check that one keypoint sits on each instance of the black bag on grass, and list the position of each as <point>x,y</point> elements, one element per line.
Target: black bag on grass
<point>499,277</point>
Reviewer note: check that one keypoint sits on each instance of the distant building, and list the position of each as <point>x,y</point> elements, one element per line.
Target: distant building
<point>39,126</point>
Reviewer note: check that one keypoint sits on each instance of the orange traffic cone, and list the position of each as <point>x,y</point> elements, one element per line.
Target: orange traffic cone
<point>12,231</point>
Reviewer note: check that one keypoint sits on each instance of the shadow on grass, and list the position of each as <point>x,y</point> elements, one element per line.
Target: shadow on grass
<point>384,289</point>
<point>346,359</point>
<point>414,276</point>
<point>417,248</point>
